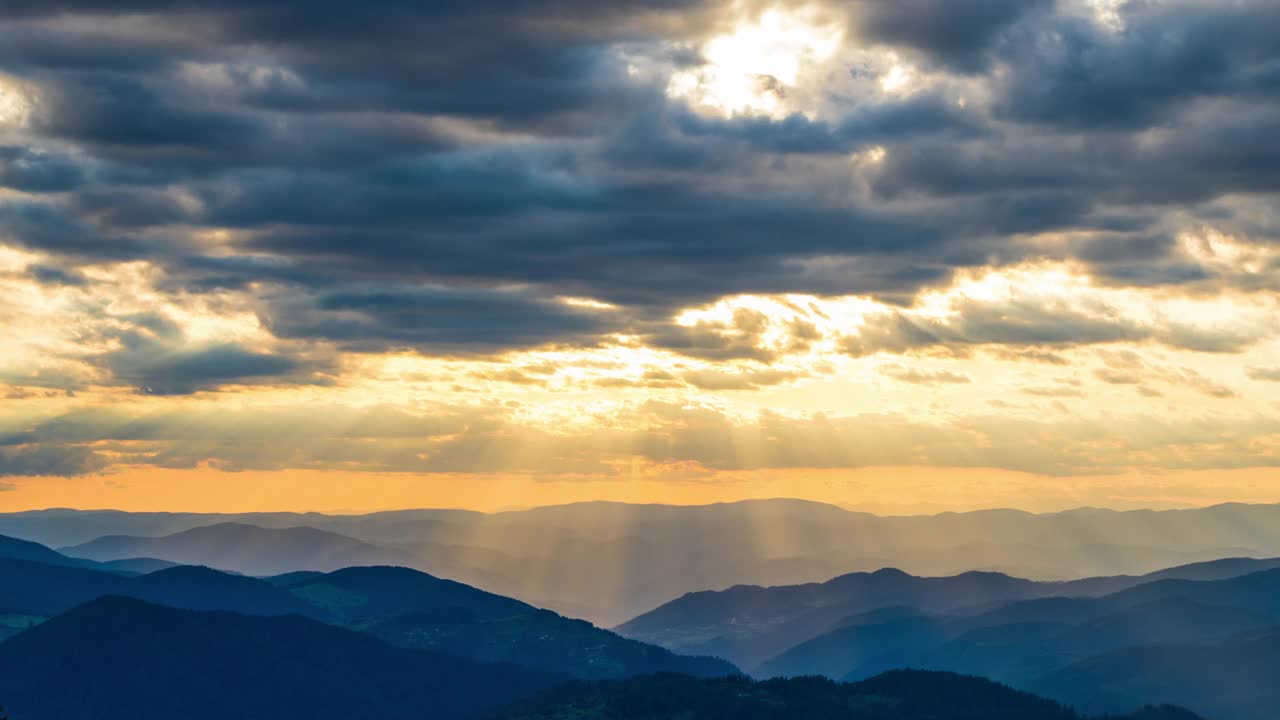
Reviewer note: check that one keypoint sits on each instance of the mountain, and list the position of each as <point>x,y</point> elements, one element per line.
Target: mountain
<point>608,562</point>
<point>1258,592</point>
<point>1178,641</point>
<point>404,607</point>
<point>15,549</point>
<point>861,649</point>
<point>246,549</point>
<point>60,527</point>
<point>749,624</point>
<point>898,695</point>
<point>41,590</point>
<point>1020,653</point>
<point>414,609</point>
<point>140,566</point>
<point>752,626</point>
<point>1215,569</point>
<point>1226,680</point>
<point>118,658</point>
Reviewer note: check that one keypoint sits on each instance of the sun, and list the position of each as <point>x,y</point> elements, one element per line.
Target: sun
<point>14,106</point>
<point>751,70</point>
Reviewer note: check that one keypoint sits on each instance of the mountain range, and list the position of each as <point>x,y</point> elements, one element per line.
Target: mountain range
<point>404,607</point>
<point>246,549</point>
<point>1105,653</point>
<point>1100,644</point>
<point>608,562</point>
<point>750,624</point>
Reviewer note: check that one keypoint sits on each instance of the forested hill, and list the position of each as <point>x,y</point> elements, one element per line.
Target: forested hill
<point>897,695</point>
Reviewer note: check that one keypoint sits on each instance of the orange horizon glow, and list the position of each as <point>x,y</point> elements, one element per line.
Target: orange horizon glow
<point>876,490</point>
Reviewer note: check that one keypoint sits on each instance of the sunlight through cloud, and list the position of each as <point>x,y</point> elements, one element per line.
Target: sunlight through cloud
<point>751,70</point>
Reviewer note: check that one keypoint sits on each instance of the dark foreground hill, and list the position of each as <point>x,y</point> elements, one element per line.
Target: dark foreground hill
<point>124,659</point>
<point>898,695</point>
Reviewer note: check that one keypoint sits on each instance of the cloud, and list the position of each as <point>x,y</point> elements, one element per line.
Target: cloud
<point>1033,321</point>
<point>285,199</point>
<point>61,461</point>
<point>1079,73</point>
<point>155,357</point>
<point>925,377</point>
<point>338,161</point>
<point>435,320</point>
<point>748,380</point>
<point>953,32</point>
<point>1265,374</point>
<point>476,440</point>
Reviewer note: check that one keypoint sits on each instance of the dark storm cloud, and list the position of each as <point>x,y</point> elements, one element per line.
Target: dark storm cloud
<point>153,355</point>
<point>431,176</point>
<point>49,227</point>
<point>27,170</point>
<point>438,321</point>
<point>953,32</point>
<point>925,114</point>
<point>1072,72</point>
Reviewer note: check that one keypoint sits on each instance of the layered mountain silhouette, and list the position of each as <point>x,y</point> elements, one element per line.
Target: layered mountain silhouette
<point>750,625</point>
<point>46,590</point>
<point>608,562</point>
<point>402,606</point>
<point>414,609</point>
<point>246,549</point>
<point>123,659</point>
<point>899,695</point>
<point>15,549</point>
<point>1232,679</point>
<point>1102,654</point>
<point>1100,644</point>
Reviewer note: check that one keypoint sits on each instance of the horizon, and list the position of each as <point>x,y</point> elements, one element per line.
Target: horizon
<point>851,510</point>
<point>880,491</point>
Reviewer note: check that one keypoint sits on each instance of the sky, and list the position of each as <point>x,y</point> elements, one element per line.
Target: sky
<point>904,256</point>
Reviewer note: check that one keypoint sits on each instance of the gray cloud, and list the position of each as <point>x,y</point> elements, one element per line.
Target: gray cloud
<point>154,356</point>
<point>52,460</point>
<point>1034,323</point>
<point>428,178</point>
<point>1265,374</point>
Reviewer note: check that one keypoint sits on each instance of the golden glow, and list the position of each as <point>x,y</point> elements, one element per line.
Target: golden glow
<point>882,490</point>
<point>747,396</point>
<point>751,69</point>
<point>897,79</point>
<point>15,104</point>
